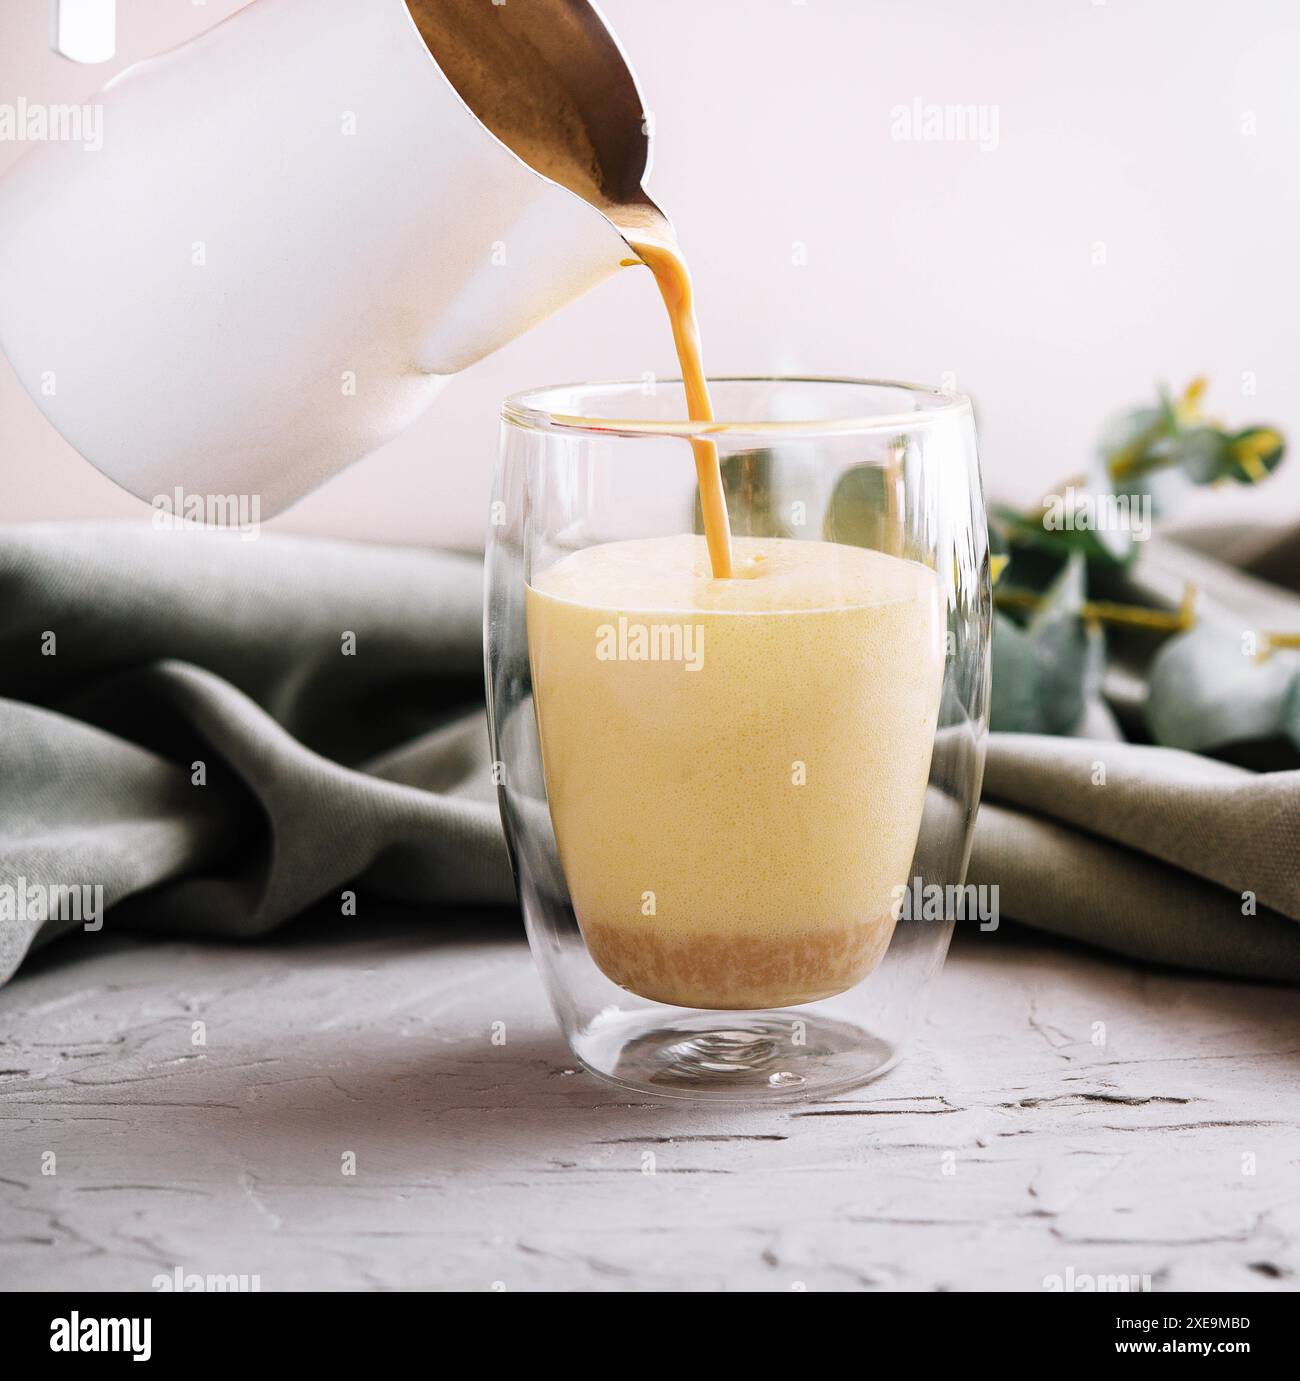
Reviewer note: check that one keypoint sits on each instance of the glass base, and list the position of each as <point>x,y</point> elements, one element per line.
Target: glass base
<point>750,1057</point>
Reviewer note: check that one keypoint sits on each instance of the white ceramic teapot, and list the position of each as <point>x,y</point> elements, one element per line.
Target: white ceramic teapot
<point>295,230</point>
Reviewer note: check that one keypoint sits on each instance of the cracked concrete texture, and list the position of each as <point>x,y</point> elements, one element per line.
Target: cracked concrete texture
<point>1058,1110</point>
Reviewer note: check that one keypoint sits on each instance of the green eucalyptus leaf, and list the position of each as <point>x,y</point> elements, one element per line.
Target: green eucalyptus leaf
<point>1161,481</point>
<point>1116,540</point>
<point>1075,650</point>
<point>749,482</point>
<point>1034,568</point>
<point>1168,410</point>
<point>1203,454</point>
<point>1291,718</point>
<point>1046,673</point>
<point>1139,456</point>
<point>1255,454</point>
<point>998,543</point>
<point>1067,525</point>
<point>858,514</point>
<point>1126,512</point>
<point>1075,528</point>
<point>1208,688</point>
<point>1127,439</point>
<point>1014,698</point>
<point>1168,489</point>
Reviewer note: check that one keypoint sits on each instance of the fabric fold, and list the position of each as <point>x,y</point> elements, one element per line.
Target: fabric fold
<point>223,734</point>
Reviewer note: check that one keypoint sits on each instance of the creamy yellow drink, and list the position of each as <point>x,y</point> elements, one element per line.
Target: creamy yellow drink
<point>735,768</point>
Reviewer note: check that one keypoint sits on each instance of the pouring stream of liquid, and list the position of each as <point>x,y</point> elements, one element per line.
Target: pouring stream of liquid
<point>535,115</point>
<point>673,279</point>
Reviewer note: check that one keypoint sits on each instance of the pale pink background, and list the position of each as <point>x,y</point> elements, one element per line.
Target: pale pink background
<point>1119,122</point>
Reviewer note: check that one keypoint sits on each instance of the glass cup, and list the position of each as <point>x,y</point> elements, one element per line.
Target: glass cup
<point>740,811</point>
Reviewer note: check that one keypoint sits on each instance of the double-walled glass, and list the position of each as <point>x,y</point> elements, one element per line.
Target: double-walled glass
<point>739,812</point>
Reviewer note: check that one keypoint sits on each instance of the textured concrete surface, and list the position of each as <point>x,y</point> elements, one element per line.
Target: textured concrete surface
<point>1062,1115</point>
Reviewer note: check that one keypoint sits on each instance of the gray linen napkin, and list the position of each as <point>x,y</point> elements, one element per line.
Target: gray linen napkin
<point>223,733</point>
<point>332,693</point>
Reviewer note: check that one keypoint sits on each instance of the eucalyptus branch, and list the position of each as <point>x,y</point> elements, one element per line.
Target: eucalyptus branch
<point>1109,612</point>
<point>1180,620</point>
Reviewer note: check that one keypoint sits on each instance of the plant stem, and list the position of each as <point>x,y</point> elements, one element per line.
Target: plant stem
<point>1139,616</point>
<point>1105,611</point>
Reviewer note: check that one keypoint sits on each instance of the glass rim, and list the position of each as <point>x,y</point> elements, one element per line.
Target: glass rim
<point>526,409</point>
